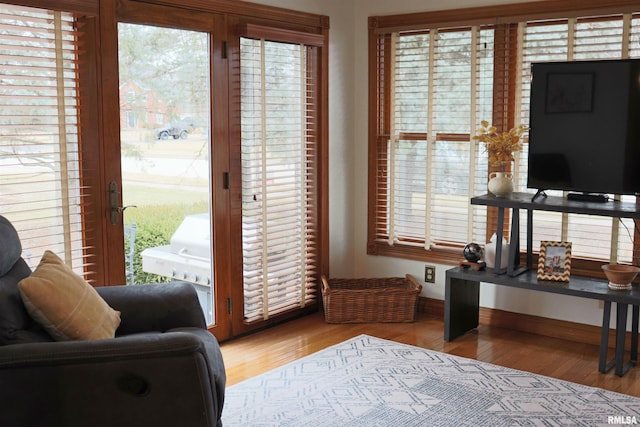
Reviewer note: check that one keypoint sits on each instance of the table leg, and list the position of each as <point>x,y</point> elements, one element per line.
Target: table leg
<point>621,331</point>
<point>529,238</point>
<point>497,267</point>
<point>634,334</point>
<point>461,307</point>
<point>603,366</point>
<point>514,242</point>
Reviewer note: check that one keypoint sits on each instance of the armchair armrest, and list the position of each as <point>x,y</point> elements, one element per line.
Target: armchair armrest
<point>154,307</point>
<point>137,346</point>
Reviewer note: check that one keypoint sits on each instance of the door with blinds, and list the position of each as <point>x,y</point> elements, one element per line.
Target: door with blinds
<point>278,168</point>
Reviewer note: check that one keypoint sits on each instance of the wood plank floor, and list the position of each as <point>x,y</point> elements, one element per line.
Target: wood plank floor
<point>254,354</point>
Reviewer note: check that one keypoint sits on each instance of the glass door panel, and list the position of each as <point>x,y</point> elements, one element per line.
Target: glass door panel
<point>166,191</point>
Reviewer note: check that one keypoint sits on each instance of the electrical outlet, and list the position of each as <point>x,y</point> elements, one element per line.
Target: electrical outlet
<point>430,274</point>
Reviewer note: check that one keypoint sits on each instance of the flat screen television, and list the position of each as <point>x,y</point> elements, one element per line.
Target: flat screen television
<point>585,127</point>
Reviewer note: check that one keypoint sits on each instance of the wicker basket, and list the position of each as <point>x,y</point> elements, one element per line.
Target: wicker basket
<point>392,299</point>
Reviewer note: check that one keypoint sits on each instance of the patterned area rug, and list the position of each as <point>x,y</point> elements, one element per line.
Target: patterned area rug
<point>368,381</point>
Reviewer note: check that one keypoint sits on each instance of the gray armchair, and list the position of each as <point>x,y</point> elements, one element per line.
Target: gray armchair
<point>163,368</point>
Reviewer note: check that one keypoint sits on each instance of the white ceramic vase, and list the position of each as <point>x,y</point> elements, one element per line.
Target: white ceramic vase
<point>500,184</point>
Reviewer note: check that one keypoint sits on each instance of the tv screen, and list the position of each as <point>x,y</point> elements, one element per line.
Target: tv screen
<point>585,127</point>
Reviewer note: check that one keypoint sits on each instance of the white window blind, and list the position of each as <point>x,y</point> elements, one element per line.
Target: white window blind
<point>40,190</point>
<point>441,85</point>
<point>590,38</point>
<point>278,184</point>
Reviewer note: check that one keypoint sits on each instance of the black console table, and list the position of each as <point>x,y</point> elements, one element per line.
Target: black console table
<point>462,288</point>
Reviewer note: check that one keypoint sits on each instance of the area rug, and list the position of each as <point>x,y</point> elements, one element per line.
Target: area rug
<point>368,381</point>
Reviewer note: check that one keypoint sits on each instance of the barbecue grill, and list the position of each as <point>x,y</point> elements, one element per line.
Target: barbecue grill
<point>186,258</point>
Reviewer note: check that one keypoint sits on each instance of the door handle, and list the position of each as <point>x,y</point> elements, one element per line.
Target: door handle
<point>114,203</point>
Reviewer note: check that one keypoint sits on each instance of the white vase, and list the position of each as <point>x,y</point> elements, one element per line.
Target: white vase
<point>500,184</point>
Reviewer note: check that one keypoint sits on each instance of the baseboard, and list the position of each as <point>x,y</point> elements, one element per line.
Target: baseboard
<point>570,331</point>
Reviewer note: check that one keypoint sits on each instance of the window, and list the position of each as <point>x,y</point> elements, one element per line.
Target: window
<point>429,159</point>
<point>40,158</point>
<point>436,77</point>
<point>279,167</point>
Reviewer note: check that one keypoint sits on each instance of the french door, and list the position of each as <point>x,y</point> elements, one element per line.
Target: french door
<point>278,153</point>
<point>218,153</point>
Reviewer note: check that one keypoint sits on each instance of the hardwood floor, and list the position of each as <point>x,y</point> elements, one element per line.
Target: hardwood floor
<point>254,354</point>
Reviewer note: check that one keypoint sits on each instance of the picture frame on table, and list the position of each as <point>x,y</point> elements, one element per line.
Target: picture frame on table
<point>554,261</point>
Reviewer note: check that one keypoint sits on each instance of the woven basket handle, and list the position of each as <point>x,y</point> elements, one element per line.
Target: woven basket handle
<point>325,285</point>
<point>414,282</point>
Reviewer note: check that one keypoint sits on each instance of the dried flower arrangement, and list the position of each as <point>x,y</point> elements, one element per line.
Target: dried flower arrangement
<point>500,146</point>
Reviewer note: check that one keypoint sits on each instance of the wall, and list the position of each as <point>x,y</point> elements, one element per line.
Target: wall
<point>348,161</point>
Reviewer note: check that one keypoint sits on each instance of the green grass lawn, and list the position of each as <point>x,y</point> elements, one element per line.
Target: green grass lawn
<point>149,195</point>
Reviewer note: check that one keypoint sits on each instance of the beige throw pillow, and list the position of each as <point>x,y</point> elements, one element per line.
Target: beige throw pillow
<point>66,305</point>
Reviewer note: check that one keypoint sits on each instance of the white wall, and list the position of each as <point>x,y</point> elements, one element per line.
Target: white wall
<point>348,141</point>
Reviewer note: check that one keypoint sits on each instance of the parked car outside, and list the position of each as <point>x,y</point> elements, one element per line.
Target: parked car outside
<point>178,130</point>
